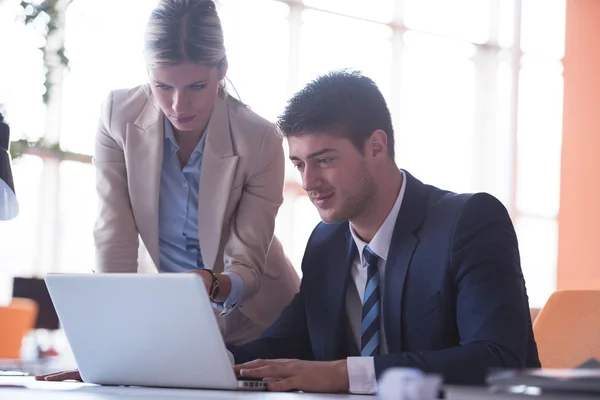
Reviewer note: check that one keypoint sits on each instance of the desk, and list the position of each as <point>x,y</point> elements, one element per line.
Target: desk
<point>81,391</point>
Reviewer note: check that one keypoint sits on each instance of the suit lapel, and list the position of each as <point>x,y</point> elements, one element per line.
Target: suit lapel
<point>402,246</point>
<point>216,177</point>
<point>331,317</point>
<point>145,146</point>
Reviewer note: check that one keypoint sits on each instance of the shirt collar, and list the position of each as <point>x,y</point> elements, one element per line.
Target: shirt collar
<point>381,241</point>
<point>170,137</point>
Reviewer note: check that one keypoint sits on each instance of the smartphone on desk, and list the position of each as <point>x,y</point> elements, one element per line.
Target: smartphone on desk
<point>13,373</point>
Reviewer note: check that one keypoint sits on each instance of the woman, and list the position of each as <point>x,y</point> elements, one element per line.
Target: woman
<point>195,173</point>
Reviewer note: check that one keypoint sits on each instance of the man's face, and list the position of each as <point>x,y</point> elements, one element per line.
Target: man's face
<point>335,175</point>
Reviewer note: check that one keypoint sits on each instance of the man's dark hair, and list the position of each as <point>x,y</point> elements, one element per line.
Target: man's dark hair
<point>344,103</point>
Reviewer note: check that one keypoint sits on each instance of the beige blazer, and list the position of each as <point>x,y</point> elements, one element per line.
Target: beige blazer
<point>240,192</point>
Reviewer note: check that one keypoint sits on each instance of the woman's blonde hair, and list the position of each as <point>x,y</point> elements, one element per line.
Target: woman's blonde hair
<point>185,30</point>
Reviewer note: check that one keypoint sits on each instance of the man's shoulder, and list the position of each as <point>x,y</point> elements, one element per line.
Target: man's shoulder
<point>428,207</point>
<point>448,214</point>
<point>453,202</point>
<point>457,203</point>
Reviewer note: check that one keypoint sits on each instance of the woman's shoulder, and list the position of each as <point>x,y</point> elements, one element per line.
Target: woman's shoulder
<point>127,104</point>
<point>128,95</point>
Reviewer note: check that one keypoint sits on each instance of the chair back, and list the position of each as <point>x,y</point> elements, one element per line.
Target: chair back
<point>567,329</point>
<point>16,321</point>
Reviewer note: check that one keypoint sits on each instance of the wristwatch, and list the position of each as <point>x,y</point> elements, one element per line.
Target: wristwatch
<point>214,287</point>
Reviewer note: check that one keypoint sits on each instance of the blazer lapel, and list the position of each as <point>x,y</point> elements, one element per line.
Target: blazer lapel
<point>216,177</point>
<point>334,282</point>
<point>145,146</point>
<point>402,246</point>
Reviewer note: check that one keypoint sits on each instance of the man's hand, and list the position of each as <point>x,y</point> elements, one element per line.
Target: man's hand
<point>307,376</point>
<point>60,376</point>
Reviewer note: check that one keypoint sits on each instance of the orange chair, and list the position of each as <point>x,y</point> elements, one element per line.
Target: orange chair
<point>16,321</point>
<point>567,329</point>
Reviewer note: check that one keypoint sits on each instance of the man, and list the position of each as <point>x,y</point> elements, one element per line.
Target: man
<point>399,273</point>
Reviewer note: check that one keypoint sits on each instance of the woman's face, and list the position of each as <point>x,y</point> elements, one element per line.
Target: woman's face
<point>187,93</point>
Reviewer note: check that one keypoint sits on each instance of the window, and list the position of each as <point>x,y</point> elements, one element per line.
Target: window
<point>20,257</point>
<point>474,87</point>
<point>538,148</point>
<point>349,43</point>
<point>75,219</point>
<point>258,53</point>
<point>377,10</point>
<point>436,119</point>
<point>463,19</point>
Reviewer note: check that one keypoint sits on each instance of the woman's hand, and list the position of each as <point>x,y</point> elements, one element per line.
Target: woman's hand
<point>206,277</point>
<point>224,284</point>
<point>60,376</point>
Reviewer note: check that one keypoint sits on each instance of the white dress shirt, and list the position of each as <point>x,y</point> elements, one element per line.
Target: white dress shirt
<point>361,370</point>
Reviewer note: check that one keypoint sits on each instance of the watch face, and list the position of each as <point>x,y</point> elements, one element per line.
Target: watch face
<point>214,288</point>
<point>215,292</point>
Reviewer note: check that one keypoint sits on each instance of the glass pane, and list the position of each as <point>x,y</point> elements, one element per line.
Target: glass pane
<point>330,42</point>
<point>21,74</point>
<point>506,22</point>
<point>76,216</point>
<point>375,10</point>
<point>539,137</point>
<point>100,60</point>
<point>538,180</point>
<point>19,237</point>
<point>543,27</point>
<point>538,244</point>
<point>540,102</point>
<point>503,138</point>
<point>257,50</point>
<point>464,19</point>
<point>435,129</point>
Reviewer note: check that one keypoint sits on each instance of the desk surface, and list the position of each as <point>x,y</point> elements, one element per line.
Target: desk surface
<point>29,389</point>
<point>33,390</point>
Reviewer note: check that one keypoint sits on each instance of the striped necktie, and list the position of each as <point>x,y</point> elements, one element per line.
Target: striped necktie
<point>371,307</point>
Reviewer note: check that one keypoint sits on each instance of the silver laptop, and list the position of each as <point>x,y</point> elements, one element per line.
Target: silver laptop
<point>144,330</point>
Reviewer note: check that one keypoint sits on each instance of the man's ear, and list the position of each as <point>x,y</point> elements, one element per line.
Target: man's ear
<point>377,144</point>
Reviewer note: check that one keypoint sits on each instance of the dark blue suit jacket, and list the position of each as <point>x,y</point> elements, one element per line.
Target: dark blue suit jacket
<point>454,301</point>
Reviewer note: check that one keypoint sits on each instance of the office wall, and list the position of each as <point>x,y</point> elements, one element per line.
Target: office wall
<point>579,216</point>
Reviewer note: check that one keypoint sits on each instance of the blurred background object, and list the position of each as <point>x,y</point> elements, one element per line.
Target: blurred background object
<point>9,207</point>
<point>36,290</point>
<point>16,319</point>
<point>47,321</point>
